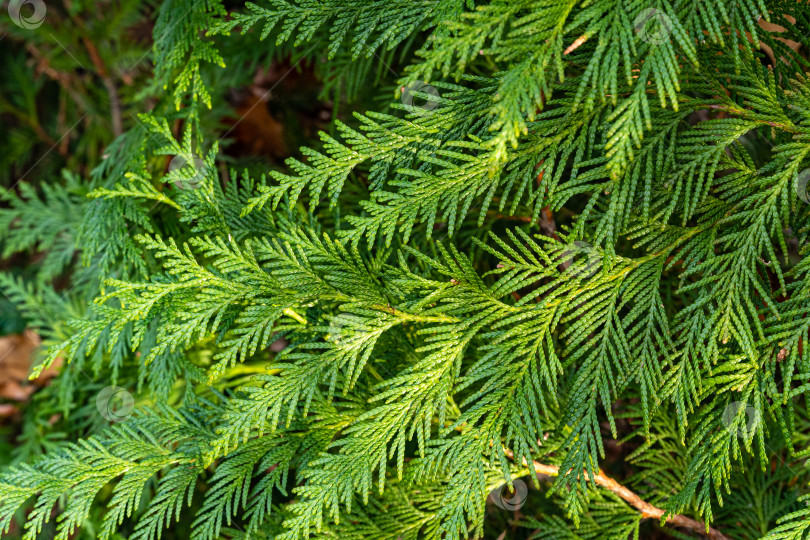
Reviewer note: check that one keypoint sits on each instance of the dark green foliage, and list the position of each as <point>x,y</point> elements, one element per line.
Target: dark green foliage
<point>579,245</point>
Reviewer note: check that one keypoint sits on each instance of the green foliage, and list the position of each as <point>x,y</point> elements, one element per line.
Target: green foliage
<point>582,247</point>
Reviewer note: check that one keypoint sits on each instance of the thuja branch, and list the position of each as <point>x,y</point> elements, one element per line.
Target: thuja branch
<point>647,510</point>
<point>749,115</point>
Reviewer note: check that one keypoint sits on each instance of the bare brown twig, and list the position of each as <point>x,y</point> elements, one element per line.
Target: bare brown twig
<point>647,510</point>
<point>106,79</point>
